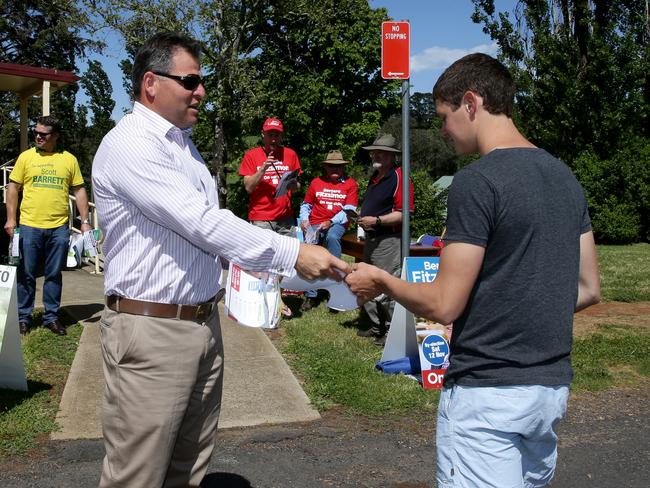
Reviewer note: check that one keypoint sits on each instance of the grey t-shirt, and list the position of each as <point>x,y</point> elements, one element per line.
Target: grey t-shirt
<point>528,211</point>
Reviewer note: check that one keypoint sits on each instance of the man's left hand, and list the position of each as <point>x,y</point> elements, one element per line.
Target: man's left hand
<point>365,282</point>
<point>85,228</point>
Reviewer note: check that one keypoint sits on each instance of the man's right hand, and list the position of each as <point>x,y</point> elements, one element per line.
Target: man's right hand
<point>317,262</point>
<point>10,226</point>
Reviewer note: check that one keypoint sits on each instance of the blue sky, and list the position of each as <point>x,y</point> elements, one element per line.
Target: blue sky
<point>441,32</point>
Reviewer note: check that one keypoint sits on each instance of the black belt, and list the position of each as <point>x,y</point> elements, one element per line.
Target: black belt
<point>196,313</point>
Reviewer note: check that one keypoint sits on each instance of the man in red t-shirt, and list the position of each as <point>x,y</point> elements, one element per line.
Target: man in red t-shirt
<point>262,168</point>
<point>329,200</point>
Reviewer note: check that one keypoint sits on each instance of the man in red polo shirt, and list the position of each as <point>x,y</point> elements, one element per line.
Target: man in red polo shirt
<point>262,168</point>
<point>381,219</point>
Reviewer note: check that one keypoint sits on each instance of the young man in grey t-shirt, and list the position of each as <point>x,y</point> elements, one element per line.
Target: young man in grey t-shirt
<point>510,296</point>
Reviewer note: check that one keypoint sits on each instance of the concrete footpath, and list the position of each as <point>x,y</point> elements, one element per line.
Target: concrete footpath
<point>259,387</point>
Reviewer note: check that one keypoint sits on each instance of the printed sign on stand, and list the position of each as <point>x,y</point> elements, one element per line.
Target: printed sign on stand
<point>433,338</point>
<point>411,336</point>
<point>12,369</point>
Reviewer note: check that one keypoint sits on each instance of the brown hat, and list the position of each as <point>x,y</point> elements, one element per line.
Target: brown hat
<point>385,142</point>
<point>334,157</point>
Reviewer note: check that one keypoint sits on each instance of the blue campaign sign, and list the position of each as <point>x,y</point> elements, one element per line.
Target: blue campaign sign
<point>421,269</point>
<point>435,349</point>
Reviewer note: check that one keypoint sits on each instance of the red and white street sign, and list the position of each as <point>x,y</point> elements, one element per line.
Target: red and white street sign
<point>395,50</point>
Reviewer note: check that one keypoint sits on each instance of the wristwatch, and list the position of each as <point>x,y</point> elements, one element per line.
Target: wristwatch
<point>377,222</point>
<point>85,221</point>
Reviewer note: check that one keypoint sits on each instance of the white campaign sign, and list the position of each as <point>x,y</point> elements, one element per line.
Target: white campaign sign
<point>12,370</point>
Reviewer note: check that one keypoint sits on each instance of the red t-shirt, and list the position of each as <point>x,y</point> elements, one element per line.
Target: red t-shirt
<point>327,199</point>
<point>262,204</point>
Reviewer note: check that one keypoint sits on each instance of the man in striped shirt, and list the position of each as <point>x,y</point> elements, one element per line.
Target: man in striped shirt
<point>165,238</point>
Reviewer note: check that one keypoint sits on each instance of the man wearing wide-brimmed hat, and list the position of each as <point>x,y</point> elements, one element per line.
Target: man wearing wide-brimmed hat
<point>324,211</point>
<point>381,219</point>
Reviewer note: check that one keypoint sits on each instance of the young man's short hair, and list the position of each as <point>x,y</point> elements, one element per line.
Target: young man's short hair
<point>50,121</point>
<point>481,74</point>
<point>156,55</point>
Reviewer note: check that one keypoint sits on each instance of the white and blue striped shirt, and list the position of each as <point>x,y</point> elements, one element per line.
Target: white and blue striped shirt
<point>158,209</point>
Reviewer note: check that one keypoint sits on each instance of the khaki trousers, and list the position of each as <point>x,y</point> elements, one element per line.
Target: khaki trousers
<point>161,400</point>
<point>384,252</point>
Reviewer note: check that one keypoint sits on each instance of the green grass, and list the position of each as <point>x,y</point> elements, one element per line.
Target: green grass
<point>26,418</point>
<point>338,367</point>
<point>616,354</point>
<point>625,272</point>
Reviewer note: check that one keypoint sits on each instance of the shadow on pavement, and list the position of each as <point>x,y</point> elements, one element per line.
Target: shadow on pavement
<point>225,480</point>
<point>86,312</point>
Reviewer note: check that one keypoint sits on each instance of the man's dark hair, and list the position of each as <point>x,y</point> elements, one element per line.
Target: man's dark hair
<point>50,121</point>
<point>481,74</point>
<point>156,55</point>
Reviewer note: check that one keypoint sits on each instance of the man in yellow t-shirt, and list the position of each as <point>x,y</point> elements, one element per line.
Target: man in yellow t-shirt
<point>46,177</point>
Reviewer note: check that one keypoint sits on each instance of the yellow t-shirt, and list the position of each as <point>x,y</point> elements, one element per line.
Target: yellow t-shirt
<point>46,179</point>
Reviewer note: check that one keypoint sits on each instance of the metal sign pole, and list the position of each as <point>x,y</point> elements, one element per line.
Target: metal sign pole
<point>406,171</point>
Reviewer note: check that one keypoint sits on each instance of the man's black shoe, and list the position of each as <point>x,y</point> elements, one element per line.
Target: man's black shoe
<point>23,327</point>
<point>380,341</point>
<point>372,332</point>
<point>56,327</point>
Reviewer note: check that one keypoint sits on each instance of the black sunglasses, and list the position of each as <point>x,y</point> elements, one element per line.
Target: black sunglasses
<point>189,82</point>
<point>42,134</point>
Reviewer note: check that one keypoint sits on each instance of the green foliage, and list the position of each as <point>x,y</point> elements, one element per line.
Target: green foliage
<point>596,358</point>
<point>428,149</point>
<point>431,203</point>
<point>25,417</point>
<point>314,64</point>
<point>618,192</point>
<point>422,110</point>
<point>46,34</point>
<point>582,70</point>
<point>318,70</point>
<point>625,272</point>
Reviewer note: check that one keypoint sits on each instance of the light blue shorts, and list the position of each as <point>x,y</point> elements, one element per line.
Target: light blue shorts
<point>501,437</point>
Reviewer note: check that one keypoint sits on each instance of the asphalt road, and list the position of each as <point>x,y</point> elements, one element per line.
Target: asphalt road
<point>604,442</point>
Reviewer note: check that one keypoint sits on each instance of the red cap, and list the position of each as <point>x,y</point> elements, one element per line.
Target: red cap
<point>272,124</point>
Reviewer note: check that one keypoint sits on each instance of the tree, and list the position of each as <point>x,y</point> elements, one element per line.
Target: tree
<point>582,71</point>
<point>46,34</point>
<point>316,65</point>
<point>428,149</point>
<point>422,109</point>
<point>319,69</point>
<point>97,86</point>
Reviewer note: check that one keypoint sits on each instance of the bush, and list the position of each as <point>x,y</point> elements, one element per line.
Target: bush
<point>618,192</point>
<point>430,205</point>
